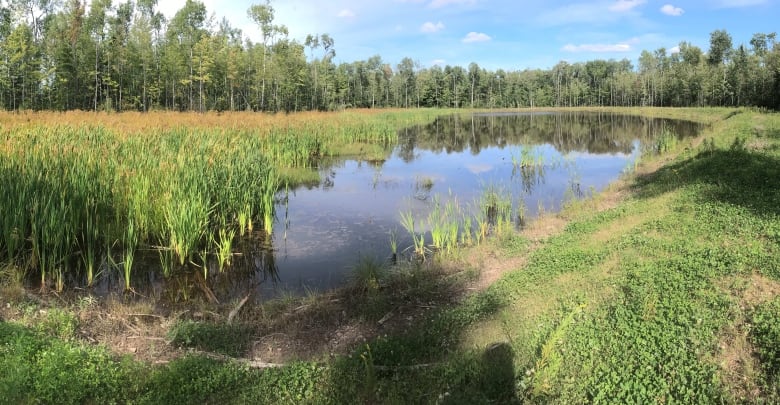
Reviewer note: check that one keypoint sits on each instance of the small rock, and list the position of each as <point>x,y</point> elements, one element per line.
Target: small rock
<point>133,349</point>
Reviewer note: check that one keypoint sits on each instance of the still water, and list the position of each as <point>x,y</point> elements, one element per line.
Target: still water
<point>324,229</point>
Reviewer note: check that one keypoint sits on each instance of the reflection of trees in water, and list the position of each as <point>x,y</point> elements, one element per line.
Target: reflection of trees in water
<point>530,176</point>
<point>567,132</point>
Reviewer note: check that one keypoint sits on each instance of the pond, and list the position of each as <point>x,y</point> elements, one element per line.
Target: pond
<point>483,170</point>
<point>538,160</point>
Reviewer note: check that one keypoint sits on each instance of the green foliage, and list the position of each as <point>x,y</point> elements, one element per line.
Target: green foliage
<point>71,374</point>
<point>765,335</point>
<point>58,323</point>
<point>368,275</point>
<point>298,382</point>
<point>194,379</point>
<point>46,370</point>
<point>232,340</point>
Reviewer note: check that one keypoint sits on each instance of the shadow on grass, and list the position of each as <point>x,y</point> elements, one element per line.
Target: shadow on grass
<point>472,377</point>
<point>425,364</point>
<point>734,176</point>
<point>412,361</point>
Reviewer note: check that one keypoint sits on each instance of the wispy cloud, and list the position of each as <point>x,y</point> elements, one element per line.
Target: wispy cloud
<point>740,3</point>
<point>622,6</point>
<point>599,48</point>
<point>430,27</point>
<point>444,3</point>
<point>675,49</point>
<point>671,10</point>
<point>346,13</point>
<point>473,37</point>
<point>438,62</point>
<point>588,13</point>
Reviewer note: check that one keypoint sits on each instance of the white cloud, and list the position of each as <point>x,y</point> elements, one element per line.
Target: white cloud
<point>443,3</point>
<point>621,6</point>
<point>674,50</point>
<point>438,62</point>
<point>671,10</point>
<point>599,48</point>
<point>432,27</point>
<point>472,37</point>
<point>346,13</point>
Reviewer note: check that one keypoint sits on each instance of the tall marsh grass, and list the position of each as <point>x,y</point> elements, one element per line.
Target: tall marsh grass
<point>76,196</point>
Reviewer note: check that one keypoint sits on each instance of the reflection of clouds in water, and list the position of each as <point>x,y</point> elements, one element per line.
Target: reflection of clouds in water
<point>479,168</point>
<point>322,236</point>
<point>330,235</point>
<point>596,156</point>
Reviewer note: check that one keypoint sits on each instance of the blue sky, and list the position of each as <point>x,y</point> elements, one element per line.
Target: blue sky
<point>506,34</point>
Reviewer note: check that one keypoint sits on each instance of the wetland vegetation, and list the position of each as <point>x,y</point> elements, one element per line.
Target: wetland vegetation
<point>82,200</point>
<point>663,287</point>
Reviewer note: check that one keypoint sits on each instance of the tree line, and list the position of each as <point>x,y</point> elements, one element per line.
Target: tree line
<point>65,55</point>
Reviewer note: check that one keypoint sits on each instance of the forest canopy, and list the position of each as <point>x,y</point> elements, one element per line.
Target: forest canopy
<point>120,56</point>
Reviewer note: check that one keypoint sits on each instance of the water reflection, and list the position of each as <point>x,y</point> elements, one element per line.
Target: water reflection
<point>595,133</point>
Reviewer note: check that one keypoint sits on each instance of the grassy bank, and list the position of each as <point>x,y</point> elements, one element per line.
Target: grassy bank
<point>664,288</point>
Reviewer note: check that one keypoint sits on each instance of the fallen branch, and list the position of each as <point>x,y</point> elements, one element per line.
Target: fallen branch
<point>411,367</point>
<point>386,318</point>
<point>238,307</point>
<point>149,315</point>
<point>248,362</point>
<point>146,337</point>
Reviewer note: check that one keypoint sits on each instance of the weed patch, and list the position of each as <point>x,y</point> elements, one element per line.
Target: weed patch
<point>765,335</point>
<point>228,339</point>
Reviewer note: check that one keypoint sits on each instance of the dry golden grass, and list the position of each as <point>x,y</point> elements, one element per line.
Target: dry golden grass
<point>135,122</point>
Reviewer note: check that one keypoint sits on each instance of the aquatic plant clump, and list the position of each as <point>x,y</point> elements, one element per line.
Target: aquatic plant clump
<point>88,195</point>
<point>451,225</point>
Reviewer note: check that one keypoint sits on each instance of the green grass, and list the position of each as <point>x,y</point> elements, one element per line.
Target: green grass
<point>41,369</point>
<point>231,340</point>
<point>765,335</point>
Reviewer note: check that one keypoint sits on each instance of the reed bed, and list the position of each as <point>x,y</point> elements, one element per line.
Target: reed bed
<point>78,197</point>
<point>85,192</point>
